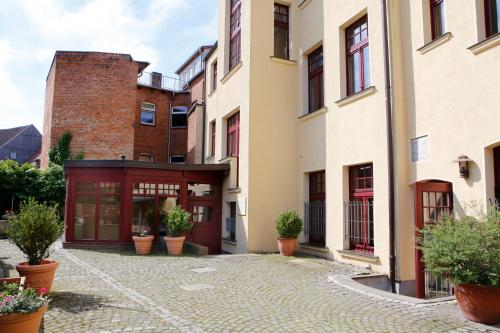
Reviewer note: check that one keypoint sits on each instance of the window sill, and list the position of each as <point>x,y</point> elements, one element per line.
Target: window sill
<point>226,159</point>
<point>229,241</point>
<point>283,61</point>
<point>313,114</point>
<point>234,190</point>
<point>312,247</point>
<point>178,127</point>
<point>212,92</point>
<point>231,73</point>
<point>486,44</point>
<point>304,3</point>
<point>351,99</point>
<point>435,43</point>
<point>362,256</point>
<point>209,158</point>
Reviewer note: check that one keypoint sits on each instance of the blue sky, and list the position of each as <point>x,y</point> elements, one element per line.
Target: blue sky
<point>163,32</point>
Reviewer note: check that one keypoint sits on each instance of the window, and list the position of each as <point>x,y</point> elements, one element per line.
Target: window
<point>315,70</point>
<point>420,148</point>
<point>358,58</point>
<point>145,157</point>
<point>491,10</point>
<point>317,186</point>
<point>214,75</point>
<point>212,138</point>
<point>148,113</point>
<point>437,18</point>
<point>281,49</point>
<point>179,116</point>
<point>231,222</point>
<point>235,34</point>
<point>202,190</point>
<point>178,159</point>
<point>13,155</point>
<point>233,135</point>
<point>201,214</point>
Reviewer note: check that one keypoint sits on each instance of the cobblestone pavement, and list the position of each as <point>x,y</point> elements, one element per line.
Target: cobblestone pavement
<point>110,291</point>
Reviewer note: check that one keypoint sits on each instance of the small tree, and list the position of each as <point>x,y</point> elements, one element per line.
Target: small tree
<point>288,224</point>
<point>35,229</point>
<point>178,222</point>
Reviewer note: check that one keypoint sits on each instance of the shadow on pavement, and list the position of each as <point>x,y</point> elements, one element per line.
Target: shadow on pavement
<point>76,303</point>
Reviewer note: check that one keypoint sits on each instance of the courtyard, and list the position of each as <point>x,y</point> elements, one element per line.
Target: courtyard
<point>118,291</point>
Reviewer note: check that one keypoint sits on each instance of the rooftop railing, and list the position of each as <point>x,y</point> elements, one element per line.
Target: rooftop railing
<point>158,80</point>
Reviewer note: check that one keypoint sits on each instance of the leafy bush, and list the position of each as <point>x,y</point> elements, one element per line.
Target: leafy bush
<point>35,229</point>
<point>62,150</point>
<point>13,300</point>
<point>288,224</point>
<point>177,222</point>
<point>467,250</point>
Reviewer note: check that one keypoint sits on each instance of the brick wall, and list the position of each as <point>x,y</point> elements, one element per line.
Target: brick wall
<point>178,144</point>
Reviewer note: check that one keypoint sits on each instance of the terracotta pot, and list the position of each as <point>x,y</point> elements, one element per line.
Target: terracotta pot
<point>479,303</point>
<point>287,246</point>
<point>22,322</point>
<point>38,276</point>
<point>143,244</point>
<point>175,245</point>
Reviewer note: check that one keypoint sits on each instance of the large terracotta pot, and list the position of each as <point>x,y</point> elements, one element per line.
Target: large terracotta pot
<point>22,322</point>
<point>143,244</point>
<point>175,245</point>
<point>38,276</point>
<point>287,246</point>
<point>479,303</point>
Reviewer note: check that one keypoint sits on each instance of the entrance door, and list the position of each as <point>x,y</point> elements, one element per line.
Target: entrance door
<point>433,199</point>
<point>206,225</point>
<point>315,208</point>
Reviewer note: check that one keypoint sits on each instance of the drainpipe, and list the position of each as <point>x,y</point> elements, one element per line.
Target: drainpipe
<point>390,147</point>
<point>204,111</point>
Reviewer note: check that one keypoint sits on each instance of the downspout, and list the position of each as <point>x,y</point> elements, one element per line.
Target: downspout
<point>169,112</point>
<point>390,148</point>
<point>204,111</point>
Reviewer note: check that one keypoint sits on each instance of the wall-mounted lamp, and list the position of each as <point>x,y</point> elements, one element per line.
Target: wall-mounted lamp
<point>463,165</point>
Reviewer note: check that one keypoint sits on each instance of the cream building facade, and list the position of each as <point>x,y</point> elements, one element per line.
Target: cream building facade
<point>304,89</point>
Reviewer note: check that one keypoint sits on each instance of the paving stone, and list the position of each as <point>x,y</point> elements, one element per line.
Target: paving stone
<point>203,270</point>
<point>195,287</point>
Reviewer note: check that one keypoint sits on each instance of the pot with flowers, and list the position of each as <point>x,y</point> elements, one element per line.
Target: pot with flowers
<point>288,226</point>
<point>143,243</point>
<point>178,223</point>
<point>21,310</point>
<point>33,230</point>
<point>467,251</point>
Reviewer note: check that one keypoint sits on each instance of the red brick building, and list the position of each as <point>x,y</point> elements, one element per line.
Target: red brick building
<point>114,109</point>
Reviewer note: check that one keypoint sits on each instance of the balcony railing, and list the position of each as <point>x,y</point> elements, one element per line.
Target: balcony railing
<point>358,220</point>
<point>231,228</point>
<point>157,80</point>
<point>315,222</point>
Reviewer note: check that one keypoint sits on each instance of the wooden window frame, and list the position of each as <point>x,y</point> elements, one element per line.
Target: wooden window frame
<point>283,24</point>
<point>488,13</point>
<point>233,135</point>
<point>312,58</point>
<point>433,4</point>
<point>234,33</point>
<point>317,186</point>
<point>144,109</point>
<point>212,137</point>
<point>214,75</point>
<point>357,48</point>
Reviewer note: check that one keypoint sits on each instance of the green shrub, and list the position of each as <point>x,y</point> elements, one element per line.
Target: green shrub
<point>288,224</point>
<point>35,229</point>
<point>177,222</point>
<point>467,250</point>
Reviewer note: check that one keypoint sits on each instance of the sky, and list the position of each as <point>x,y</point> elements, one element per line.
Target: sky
<point>162,32</point>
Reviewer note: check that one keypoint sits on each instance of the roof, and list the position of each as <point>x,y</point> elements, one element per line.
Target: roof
<point>212,50</point>
<point>6,135</point>
<point>195,53</point>
<point>144,165</point>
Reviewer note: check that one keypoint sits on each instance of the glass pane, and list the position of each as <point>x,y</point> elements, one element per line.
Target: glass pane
<point>280,42</point>
<point>366,67</point>
<point>356,72</point>
<point>86,187</point>
<point>110,187</point>
<point>144,188</point>
<point>202,214</point>
<point>144,214</point>
<point>426,215</point>
<point>85,208</point>
<point>313,93</point>
<point>426,198</point>
<point>109,217</point>
<point>432,199</point>
<point>179,120</point>
<point>439,199</point>
<point>169,189</point>
<point>147,117</point>
<point>164,206</point>
<point>202,190</point>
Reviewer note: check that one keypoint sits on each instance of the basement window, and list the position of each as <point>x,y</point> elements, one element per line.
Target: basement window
<point>179,116</point>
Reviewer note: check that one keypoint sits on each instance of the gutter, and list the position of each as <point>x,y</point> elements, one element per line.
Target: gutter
<point>390,147</point>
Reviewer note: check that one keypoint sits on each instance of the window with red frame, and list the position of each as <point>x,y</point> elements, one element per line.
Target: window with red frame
<point>212,142</point>
<point>315,70</point>
<point>317,186</point>
<point>491,10</point>
<point>281,49</point>
<point>437,18</point>
<point>235,34</point>
<point>358,56</point>
<point>233,135</point>
<point>214,75</point>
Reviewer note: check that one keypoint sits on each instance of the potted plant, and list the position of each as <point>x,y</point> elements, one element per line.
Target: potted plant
<point>178,222</point>
<point>143,243</point>
<point>33,231</point>
<point>288,226</point>
<point>21,310</point>
<point>467,251</point>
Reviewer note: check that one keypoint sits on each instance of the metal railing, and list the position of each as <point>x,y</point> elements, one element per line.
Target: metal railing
<point>437,286</point>
<point>358,222</point>
<point>157,80</point>
<point>315,221</point>
<point>493,206</point>
<point>231,227</point>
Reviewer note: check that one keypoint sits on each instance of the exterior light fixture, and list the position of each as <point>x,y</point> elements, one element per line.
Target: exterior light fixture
<point>463,165</point>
